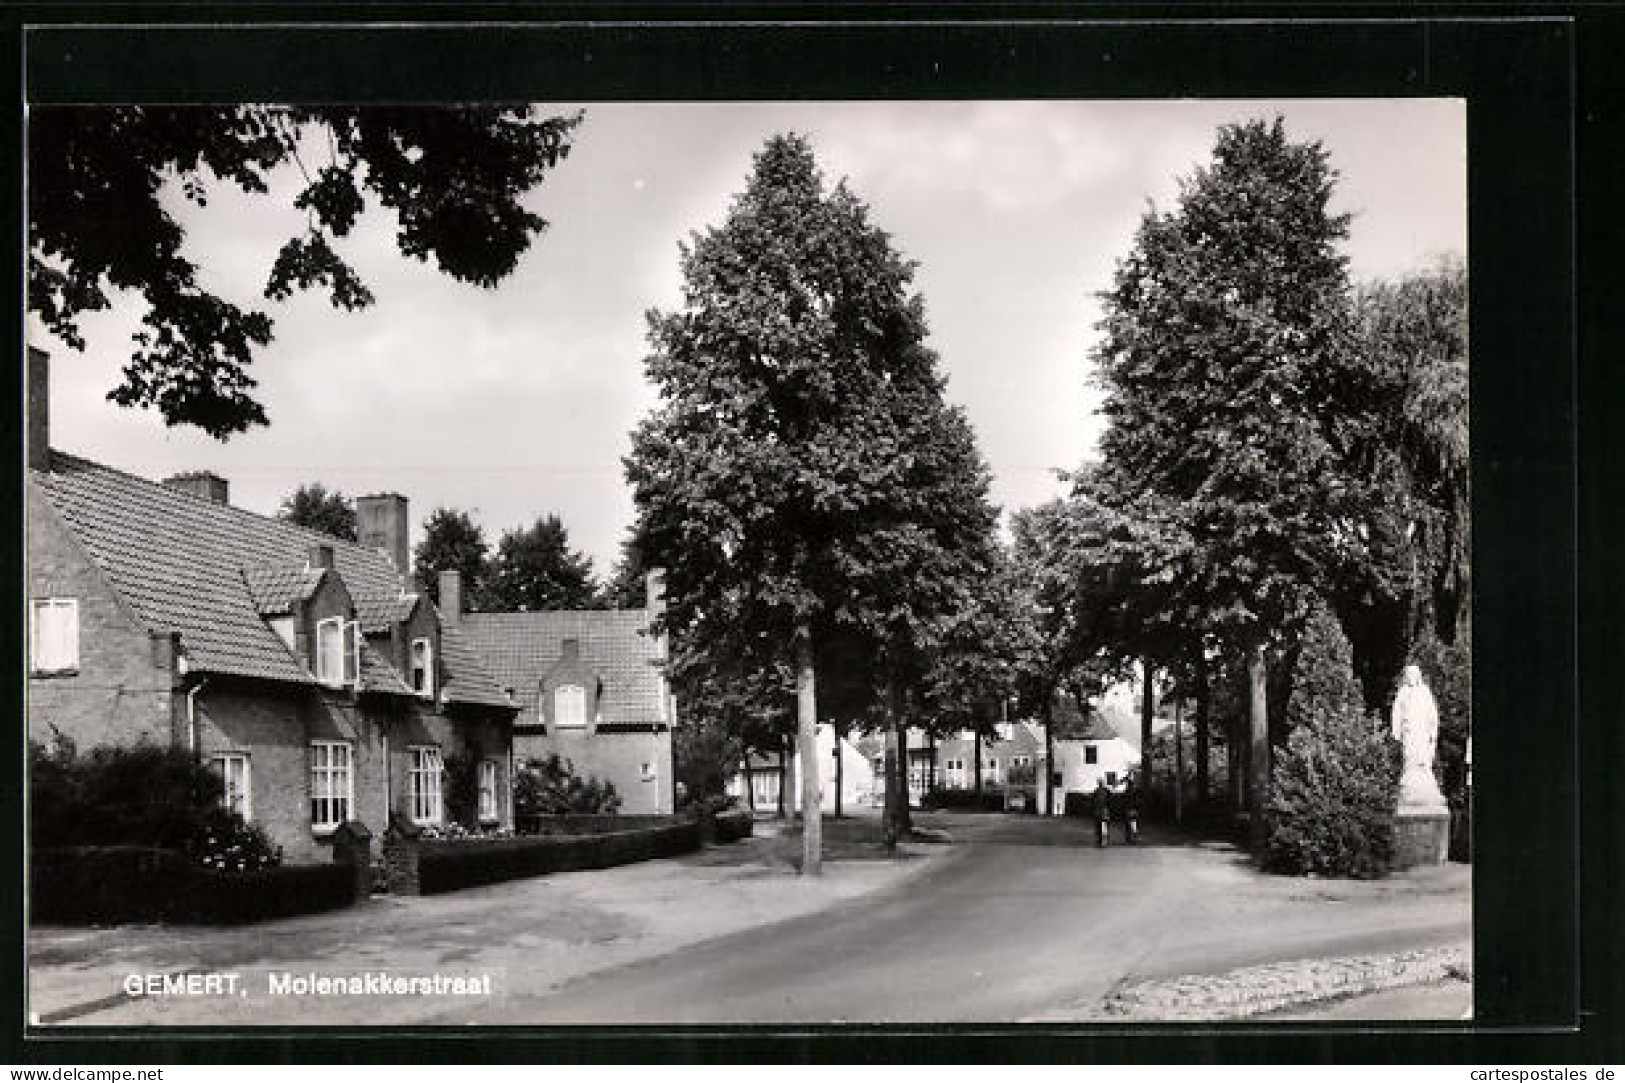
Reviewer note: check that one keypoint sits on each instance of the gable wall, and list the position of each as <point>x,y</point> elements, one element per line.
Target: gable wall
<point>612,757</point>
<point>122,694</point>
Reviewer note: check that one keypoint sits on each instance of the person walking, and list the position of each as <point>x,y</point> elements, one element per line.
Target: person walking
<point>1103,813</point>
<point>1131,812</point>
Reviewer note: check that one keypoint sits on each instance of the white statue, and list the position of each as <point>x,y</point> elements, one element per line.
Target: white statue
<point>1416,728</point>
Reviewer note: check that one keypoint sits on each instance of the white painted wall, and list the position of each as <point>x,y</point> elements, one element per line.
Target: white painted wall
<point>1114,758</point>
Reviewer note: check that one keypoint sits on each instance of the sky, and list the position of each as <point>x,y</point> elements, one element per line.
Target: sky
<point>517,402</point>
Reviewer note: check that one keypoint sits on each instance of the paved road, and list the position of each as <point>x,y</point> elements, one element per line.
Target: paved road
<point>1024,917</point>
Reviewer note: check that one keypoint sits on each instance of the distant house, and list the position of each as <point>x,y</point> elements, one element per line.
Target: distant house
<point>1108,749</point>
<point>757,780</point>
<point>590,686</point>
<point>1017,746</point>
<point>304,669</point>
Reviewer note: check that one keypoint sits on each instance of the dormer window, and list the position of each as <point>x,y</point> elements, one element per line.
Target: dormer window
<point>338,652</point>
<point>570,705</point>
<point>423,668</point>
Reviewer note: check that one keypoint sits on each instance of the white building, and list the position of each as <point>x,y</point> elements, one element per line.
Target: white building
<point>857,776</point>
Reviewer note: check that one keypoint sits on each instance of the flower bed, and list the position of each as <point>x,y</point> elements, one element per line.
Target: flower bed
<point>105,885</point>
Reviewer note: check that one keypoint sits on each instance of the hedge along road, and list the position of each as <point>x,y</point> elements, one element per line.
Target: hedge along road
<point>1028,917</point>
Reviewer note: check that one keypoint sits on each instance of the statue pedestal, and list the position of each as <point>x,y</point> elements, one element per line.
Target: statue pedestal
<point>1421,837</point>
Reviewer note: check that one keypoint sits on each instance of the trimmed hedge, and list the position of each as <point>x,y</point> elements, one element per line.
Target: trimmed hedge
<point>733,825</point>
<point>965,800</point>
<point>108,885</point>
<point>592,823</point>
<point>451,866</point>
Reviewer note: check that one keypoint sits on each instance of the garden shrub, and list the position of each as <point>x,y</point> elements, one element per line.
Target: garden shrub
<point>461,784</point>
<point>145,796</point>
<point>1336,782</point>
<point>550,787</point>
<point>733,825</point>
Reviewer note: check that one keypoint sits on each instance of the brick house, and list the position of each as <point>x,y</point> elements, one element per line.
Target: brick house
<point>303,668</point>
<point>590,686</point>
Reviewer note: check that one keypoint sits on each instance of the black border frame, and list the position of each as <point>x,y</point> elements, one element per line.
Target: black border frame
<point>1521,70</point>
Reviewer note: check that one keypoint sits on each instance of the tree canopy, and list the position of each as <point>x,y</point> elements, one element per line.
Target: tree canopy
<point>452,541</point>
<point>534,569</point>
<point>1234,397</point>
<point>453,178</point>
<point>803,479</point>
<point>318,508</point>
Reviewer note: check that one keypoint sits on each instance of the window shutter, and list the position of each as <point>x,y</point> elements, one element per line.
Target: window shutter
<point>352,652</point>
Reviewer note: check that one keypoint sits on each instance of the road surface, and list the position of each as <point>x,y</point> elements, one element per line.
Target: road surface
<point>1025,917</point>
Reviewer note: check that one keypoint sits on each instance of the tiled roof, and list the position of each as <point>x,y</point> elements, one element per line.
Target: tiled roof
<point>277,590</point>
<point>378,676</point>
<point>211,571</point>
<point>519,648</point>
<point>468,681</point>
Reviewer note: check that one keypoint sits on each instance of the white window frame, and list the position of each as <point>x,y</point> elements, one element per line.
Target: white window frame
<point>426,689</point>
<point>488,791</point>
<point>426,784</point>
<point>54,647</point>
<point>223,762</point>
<point>332,781</point>
<point>342,667</point>
<point>574,719</point>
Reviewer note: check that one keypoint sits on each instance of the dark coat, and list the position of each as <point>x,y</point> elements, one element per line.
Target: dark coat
<point>1102,804</point>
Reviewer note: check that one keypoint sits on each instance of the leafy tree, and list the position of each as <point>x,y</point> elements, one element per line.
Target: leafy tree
<point>1413,338</point>
<point>1234,401</point>
<point>452,542</point>
<point>803,479</point>
<point>316,507</point>
<point>535,569</point>
<point>452,177</point>
<point>1336,781</point>
<point>626,587</point>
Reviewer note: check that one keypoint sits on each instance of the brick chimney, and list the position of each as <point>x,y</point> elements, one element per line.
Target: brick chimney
<point>380,522</point>
<point>39,409</point>
<point>320,556</point>
<point>203,484</point>
<point>451,597</point>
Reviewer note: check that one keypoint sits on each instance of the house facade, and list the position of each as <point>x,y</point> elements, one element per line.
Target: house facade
<point>304,669</point>
<point>590,686</point>
<point>757,781</point>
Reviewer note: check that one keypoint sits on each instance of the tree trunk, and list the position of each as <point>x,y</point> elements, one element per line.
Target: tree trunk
<point>1146,708</point>
<point>840,771</point>
<point>750,784</point>
<point>1258,747</point>
<point>976,738</point>
<point>1049,758</point>
<point>1203,722</point>
<point>1179,761</point>
<point>931,749</point>
<point>891,819</point>
<point>812,807</point>
<point>784,779</point>
<point>905,817</point>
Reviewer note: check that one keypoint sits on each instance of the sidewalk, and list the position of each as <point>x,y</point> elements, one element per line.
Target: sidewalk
<point>529,936</point>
